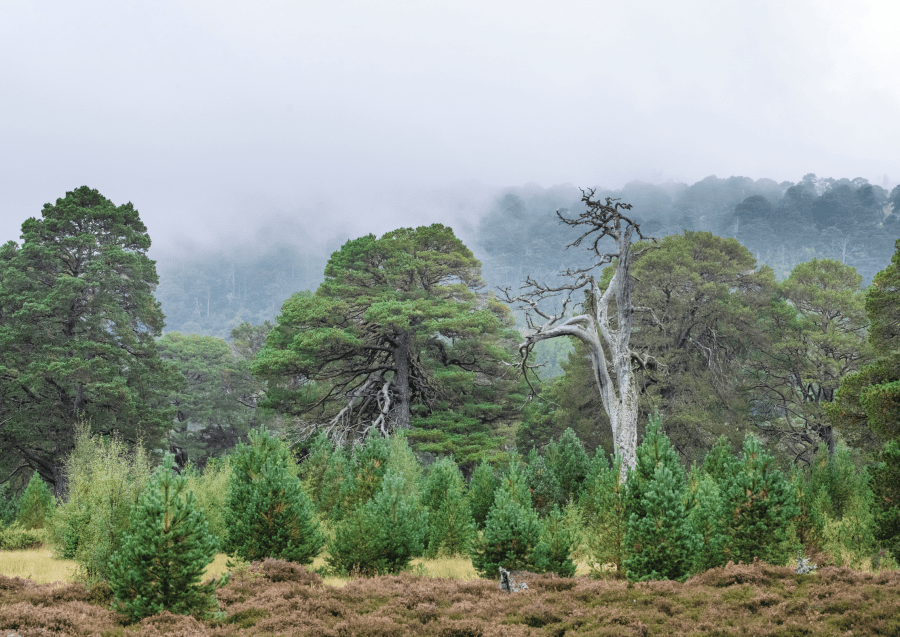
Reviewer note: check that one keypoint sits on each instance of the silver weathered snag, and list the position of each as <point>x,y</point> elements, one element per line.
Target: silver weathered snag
<point>603,321</point>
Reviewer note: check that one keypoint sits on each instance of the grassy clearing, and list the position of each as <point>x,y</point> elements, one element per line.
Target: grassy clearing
<point>40,565</point>
<point>37,564</point>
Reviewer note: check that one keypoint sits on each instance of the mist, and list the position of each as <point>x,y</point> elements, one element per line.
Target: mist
<point>223,123</point>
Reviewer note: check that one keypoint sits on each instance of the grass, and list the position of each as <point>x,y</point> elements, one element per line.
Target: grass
<point>36,564</point>
<point>40,566</point>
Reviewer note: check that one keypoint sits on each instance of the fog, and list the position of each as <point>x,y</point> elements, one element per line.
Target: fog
<point>225,122</point>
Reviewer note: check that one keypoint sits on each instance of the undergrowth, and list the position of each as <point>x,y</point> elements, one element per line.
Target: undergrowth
<point>280,598</point>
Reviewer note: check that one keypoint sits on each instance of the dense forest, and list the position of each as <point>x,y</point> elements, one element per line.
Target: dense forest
<point>761,338</point>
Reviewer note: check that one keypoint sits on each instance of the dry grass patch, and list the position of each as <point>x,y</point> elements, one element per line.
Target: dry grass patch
<point>38,565</point>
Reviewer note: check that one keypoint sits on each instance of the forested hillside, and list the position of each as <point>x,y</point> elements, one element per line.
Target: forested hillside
<point>709,407</point>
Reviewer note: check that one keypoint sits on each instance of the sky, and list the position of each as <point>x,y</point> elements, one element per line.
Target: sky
<point>224,120</point>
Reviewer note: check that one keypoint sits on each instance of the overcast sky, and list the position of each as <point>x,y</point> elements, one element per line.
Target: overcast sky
<point>353,117</point>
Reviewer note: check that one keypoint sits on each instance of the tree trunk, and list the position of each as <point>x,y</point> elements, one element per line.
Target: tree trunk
<point>401,381</point>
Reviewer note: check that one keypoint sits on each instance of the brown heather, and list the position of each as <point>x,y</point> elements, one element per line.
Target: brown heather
<point>278,598</point>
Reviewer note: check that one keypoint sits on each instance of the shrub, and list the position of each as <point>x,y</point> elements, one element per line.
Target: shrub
<point>382,535</point>
<point>164,555</point>
<point>758,508</point>
<point>512,530</point>
<point>886,489</point>
<point>16,538</point>
<point>9,506</point>
<point>705,515</point>
<point>553,552</point>
<point>267,512</point>
<point>482,487</point>
<point>542,483</point>
<point>105,480</point>
<point>570,464</point>
<point>449,518</point>
<point>37,504</point>
<point>211,494</point>
<point>365,472</point>
<point>659,539</point>
<point>603,508</point>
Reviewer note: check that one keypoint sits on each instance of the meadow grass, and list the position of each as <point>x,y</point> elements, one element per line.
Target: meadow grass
<point>36,564</point>
<point>41,566</point>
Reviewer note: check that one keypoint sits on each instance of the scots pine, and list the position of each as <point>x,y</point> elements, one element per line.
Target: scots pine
<point>382,535</point>
<point>37,504</point>
<point>660,541</point>
<point>267,512</point>
<point>164,554</point>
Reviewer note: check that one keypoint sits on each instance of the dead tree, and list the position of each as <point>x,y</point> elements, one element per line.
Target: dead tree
<point>603,321</point>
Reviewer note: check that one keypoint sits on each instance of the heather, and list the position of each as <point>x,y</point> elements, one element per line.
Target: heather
<point>274,597</point>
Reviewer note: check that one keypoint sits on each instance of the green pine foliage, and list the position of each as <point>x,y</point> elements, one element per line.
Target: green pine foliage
<point>9,506</point>
<point>365,471</point>
<point>759,508</point>
<point>37,504</point>
<point>267,512</point>
<point>382,535</point>
<point>105,479</point>
<point>511,533</point>
<point>553,553</point>
<point>211,493</point>
<point>541,480</point>
<point>449,518</point>
<point>603,509</point>
<point>705,515</point>
<point>482,487</point>
<point>659,538</point>
<point>570,463</point>
<point>886,489</point>
<point>164,554</point>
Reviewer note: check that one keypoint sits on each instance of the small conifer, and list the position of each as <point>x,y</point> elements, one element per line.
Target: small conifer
<point>705,515</point>
<point>449,518</point>
<point>570,464</point>
<point>365,472</point>
<point>164,554</point>
<point>482,487</point>
<point>603,508</point>
<point>512,531</point>
<point>758,508</point>
<point>659,538</point>
<point>36,505</point>
<point>382,535</point>
<point>267,512</point>
<point>542,483</point>
<point>553,553</point>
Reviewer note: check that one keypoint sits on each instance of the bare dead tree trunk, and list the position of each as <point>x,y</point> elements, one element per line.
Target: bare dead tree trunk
<point>604,329</point>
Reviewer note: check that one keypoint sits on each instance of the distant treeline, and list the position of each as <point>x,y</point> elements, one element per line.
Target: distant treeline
<point>783,224</point>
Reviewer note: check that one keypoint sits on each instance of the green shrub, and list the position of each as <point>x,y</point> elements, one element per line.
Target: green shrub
<point>164,554</point>
<point>267,512</point>
<point>886,489</point>
<point>512,531</point>
<point>9,506</point>
<point>660,541</point>
<point>705,515</point>
<point>759,507</point>
<point>211,494</point>
<point>603,508</point>
<point>570,464</point>
<point>105,480</point>
<point>17,538</point>
<point>542,483</point>
<point>37,504</point>
<point>382,535</point>
<point>365,472</point>
<point>482,487</point>
<point>553,552</point>
<point>449,519</point>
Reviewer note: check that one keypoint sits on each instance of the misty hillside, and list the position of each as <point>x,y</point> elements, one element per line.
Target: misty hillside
<point>783,224</point>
